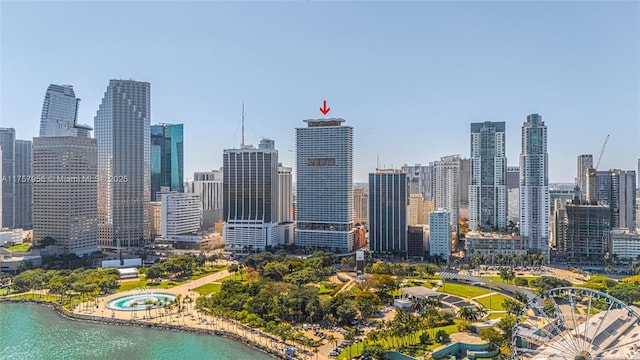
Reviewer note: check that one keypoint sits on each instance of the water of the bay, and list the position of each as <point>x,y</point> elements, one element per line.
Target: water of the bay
<point>29,331</point>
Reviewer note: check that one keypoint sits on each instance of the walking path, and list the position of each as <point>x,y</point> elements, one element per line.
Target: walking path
<point>484,295</point>
<point>188,316</point>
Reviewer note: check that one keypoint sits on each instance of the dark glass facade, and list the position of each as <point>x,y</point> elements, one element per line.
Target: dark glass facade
<point>388,198</point>
<point>167,158</point>
<point>250,180</point>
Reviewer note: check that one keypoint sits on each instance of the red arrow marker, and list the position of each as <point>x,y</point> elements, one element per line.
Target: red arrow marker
<point>324,110</point>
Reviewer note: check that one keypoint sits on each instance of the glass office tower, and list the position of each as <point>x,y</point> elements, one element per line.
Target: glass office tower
<point>124,164</point>
<point>167,158</point>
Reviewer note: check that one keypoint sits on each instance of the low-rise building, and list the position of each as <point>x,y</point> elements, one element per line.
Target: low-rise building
<point>16,264</point>
<point>11,237</point>
<point>492,244</point>
<point>624,243</point>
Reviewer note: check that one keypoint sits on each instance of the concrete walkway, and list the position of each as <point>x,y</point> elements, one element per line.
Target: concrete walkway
<point>485,295</point>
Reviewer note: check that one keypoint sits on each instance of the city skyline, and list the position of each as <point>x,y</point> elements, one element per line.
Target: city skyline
<point>384,76</point>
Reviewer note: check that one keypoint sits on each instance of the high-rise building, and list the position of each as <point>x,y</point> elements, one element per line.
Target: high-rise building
<point>60,113</point>
<point>415,209</point>
<point>1,177</point>
<point>208,185</point>
<point>447,187</point>
<point>586,234</point>
<point>465,177</point>
<point>167,158</point>
<point>360,205</point>
<point>124,164</point>
<point>534,186</point>
<point>180,213</point>
<point>585,162</point>
<point>420,178</point>
<point>417,240</point>
<point>440,234</point>
<point>250,197</point>
<point>324,186</point>
<point>617,189</point>
<point>513,194</point>
<point>8,146</point>
<point>513,177</point>
<point>627,189</point>
<point>488,191</point>
<point>388,211</point>
<point>285,194</point>
<point>65,192</point>
<point>24,186</point>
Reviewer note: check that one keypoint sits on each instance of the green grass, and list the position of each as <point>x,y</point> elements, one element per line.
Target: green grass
<point>234,276</point>
<point>466,291</point>
<point>393,341</point>
<point>324,290</point>
<point>495,303</point>
<point>167,284</point>
<point>207,289</point>
<point>20,248</point>
<point>496,316</point>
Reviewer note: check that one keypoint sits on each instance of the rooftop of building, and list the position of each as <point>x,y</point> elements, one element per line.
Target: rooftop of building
<point>491,235</point>
<point>324,122</point>
<point>389,171</point>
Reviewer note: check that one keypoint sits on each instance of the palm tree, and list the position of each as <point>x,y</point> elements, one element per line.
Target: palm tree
<point>468,315</point>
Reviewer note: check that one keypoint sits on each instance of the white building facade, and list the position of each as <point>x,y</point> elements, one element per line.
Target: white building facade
<point>440,234</point>
<point>534,186</point>
<point>487,188</point>
<point>324,187</point>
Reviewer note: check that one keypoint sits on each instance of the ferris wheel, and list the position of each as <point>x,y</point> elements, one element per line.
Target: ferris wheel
<point>575,324</point>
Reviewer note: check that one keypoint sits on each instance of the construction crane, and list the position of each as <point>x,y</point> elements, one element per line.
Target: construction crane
<point>604,146</point>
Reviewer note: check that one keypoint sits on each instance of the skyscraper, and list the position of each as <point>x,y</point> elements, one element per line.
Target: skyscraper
<point>167,158</point>
<point>422,176</point>
<point>488,191</point>
<point>65,194</point>
<point>534,186</point>
<point>439,234</point>
<point>8,145</point>
<point>180,214</point>
<point>585,162</point>
<point>124,164</point>
<point>208,185</point>
<point>513,177</point>
<point>250,197</point>
<point>60,113</point>
<point>447,187</point>
<point>24,189</point>
<point>285,194</point>
<point>324,187</point>
<point>360,205</point>
<point>388,211</point>
<point>617,189</point>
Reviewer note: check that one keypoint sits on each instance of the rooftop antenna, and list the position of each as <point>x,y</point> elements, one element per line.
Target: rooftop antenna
<point>377,161</point>
<point>242,125</point>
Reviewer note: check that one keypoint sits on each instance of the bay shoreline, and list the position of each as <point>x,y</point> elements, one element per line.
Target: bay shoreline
<point>69,315</point>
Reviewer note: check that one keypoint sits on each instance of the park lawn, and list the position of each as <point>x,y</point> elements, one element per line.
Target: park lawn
<point>20,248</point>
<point>390,342</point>
<point>495,303</point>
<point>234,276</point>
<point>466,291</point>
<point>207,289</point>
<point>168,284</point>
<point>492,316</point>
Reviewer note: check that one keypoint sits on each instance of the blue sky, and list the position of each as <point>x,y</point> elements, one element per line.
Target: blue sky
<point>408,76</point>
